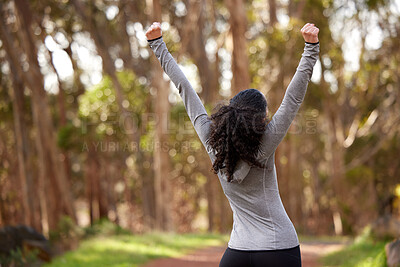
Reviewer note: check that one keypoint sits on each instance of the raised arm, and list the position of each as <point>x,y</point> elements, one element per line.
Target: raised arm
<point>294,96</point>
<point>194,107</point>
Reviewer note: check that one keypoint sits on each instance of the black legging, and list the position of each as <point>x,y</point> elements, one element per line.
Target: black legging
<point>264,258</point>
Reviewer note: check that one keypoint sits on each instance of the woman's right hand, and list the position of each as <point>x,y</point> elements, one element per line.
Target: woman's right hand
<point>154,31</point>
<point>310,33</point>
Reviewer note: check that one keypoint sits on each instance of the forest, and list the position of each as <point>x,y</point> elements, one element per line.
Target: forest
<point>91,128</point>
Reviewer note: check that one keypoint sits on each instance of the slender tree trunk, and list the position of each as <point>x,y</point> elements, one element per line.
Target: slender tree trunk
<point>61,112</point>
<point>128,198</point>
<point>296,8</point>
<point>193,42</point>
<point>210,188</point>
<point>272,12</point>
<point>282,153</point>
<point>316,209</point>
<point>79,88</point>
<point>125,38</point>
<point>44,122</point>
<point>161,157</point>
<point>211,202</point>
<point>146,177</point>
<point>148,199</point>
<point>47,152</point>
<point>110,170</point>
<point>336,154</point>
<point>94,191</point>
<point>101,43</point>
<point>103,187</point>
<point>296,183</point>
<point>32,216</point>
<point>11,211</point>
<point>225,212</point>
<point>89,188</point>
<point>284,174</point>
<point>240,61</point>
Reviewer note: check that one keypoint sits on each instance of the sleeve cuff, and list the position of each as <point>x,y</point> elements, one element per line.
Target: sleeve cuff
<point>154,39</point>
<point>312,43</point>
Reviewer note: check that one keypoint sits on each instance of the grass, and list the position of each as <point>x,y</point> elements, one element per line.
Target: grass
<point>134,250</point>
<point>362,253</point>
<point>106,244</point>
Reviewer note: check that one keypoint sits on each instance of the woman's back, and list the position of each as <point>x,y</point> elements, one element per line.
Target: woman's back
<point>260,220</point>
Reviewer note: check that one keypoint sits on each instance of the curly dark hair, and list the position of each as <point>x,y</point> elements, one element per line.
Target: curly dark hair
<point>236,130</point>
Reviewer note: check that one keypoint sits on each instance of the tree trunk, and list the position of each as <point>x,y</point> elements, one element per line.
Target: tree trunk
<point>32,216</point>
<point>283,151</point>
<point>61,111</point>
<point>193,42</point>
<point>11,211</point>
<point>90,195</point>
<point>209,186</point>
<point>45,142</point>
<point>240,62</point>
<point>336,154</point>
<point>103,187</point>
<point>129,200</point>
<point>100,40</point>
<point>110,169</point>
<point>148,198</point>
<point>43,120</point>
<point>295,8</point>
<point>225,212</point>
<point>272,12</point>
<point>126,50</point>
<point>161,156</point>
<point>296,183</point>
<point>146,176</point>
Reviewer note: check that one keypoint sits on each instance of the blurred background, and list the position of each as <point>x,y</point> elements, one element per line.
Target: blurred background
<point>91,128</point>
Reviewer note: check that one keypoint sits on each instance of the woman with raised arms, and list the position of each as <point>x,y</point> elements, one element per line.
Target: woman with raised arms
<point>241,143</point>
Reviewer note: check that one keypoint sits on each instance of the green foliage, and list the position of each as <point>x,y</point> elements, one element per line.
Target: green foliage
<point>360,174</point>
<point>134,250</point>
<point>364,252</point>
<point>66,230</point>
<point>104,227</point>
<point>99,109</point>
<point>374,4</point>
<point>69,137</point>
<point>20,258</point>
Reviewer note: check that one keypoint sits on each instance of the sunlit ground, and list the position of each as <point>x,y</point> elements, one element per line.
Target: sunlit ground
<point>129,250</point>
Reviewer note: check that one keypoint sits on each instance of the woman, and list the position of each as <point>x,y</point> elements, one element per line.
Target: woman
<point>241,144</point>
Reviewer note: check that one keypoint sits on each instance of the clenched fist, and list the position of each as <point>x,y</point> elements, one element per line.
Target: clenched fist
<point>154,31</point>
<point>310,33</point>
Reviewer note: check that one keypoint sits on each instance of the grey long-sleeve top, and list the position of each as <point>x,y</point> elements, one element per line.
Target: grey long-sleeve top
<point>260,221</point>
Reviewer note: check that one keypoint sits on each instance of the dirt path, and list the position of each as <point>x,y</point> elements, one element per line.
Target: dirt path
<point>210,256</point>
<point>313,250</point>
<point>207,257</point>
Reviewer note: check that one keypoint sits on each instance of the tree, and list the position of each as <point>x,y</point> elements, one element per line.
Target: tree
<point>51,175</point>
<point>240,62</point>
